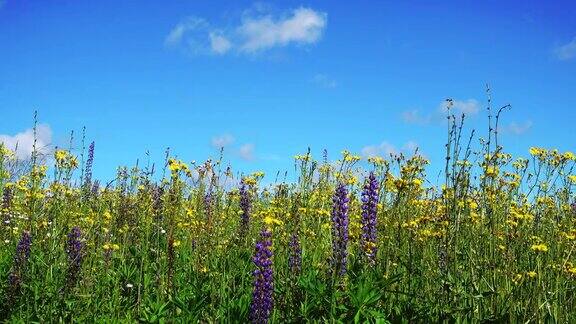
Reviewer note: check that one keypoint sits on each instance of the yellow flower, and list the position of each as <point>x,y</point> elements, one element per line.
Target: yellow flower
<point>258,174</point>
<point>539,247</point>
<point>492,171</point>
<point>269,220</point>
<point>531,274</point>
<point>111,246</point>
<point>376,160</point>
<point>536,151</point>
<point>352,180</point>
<point>305,157</point>
<point>60,155</point>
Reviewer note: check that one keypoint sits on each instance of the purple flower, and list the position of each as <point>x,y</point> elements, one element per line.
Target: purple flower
<point>295,258</point>
<point>157,203</point>
<point>20,260</point>
<point>369,220</point>
<point>208,201</point>
<point>95,188</point>
<point>88,172</point>
<point>74,249</point>
<point>263,290</point>
<point>340,229</point>
<point>245,206</point>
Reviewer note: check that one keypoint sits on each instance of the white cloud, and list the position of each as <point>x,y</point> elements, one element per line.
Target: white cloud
<point>410,147</point>
<point>222,141</point>
<point>303,26</point>
<point>23,142</point>
<point>383,149</point>
<point>414,117</point>
<point>467,107</point>
<point>516,128</point>
<point>246,152</point>
<point>191,24</point>
<point>386,149</point>
<point>256,32</point>
<point>219,43</point>
<point>324,81</point>
<point>567,51</point>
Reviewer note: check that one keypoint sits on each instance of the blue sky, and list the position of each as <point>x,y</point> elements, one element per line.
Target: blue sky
<point>269,79</point>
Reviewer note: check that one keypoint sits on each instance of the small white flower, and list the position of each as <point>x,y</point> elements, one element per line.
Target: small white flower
<point>7,221</point>
<point>163,231</point>
<point>6,241</point>
<point>129,285</point>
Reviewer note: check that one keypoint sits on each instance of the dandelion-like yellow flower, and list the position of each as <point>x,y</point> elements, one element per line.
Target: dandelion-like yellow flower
<point>539,247</point>
<point>569,156</point>
<point>269,220</point>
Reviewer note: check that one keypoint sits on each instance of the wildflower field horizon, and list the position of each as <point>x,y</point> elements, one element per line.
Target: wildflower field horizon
<point>265,161</point>
<point>345,242</point>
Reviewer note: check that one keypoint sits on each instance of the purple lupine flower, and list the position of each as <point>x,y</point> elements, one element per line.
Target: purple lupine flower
<point>340,230</point>
<point>88,172</point>
<point>245,206</point>
<point>95,188</point>
<point>74,249</point>
<point>369,211</point>
<point>208,201</point>
<point>295,258</point>
<point>157,204</point>
<point>19,265</point>
<point>262,295</point>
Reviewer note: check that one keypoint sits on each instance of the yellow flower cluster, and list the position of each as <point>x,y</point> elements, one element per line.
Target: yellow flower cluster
<point>553,156</point>
<point>541,247</point>
<point>111,246</point>
<point>65,160</point>
<point>177,166</point>
<point>6,152</point>
<point>349,157</point>
<point>377,160</point>
<point>303,157</point>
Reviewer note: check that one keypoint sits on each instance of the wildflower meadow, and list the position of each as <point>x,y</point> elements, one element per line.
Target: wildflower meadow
<point>363,240</point>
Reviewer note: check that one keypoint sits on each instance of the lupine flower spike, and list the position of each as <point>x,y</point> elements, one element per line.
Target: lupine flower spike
<point>340,230</point>
<point>74,249</point>
<point>19,264</point>
<point>369,220</point>
<point>262,295</point>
